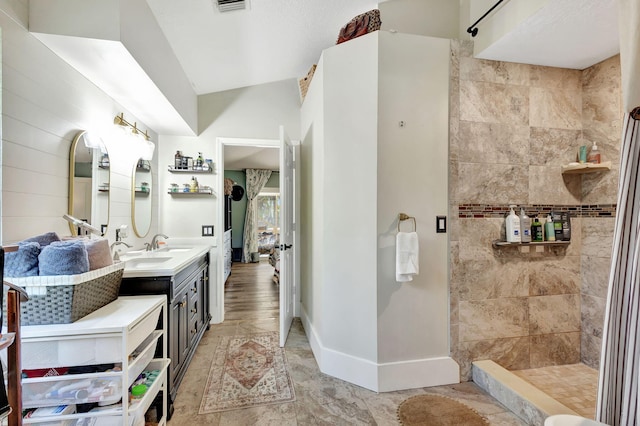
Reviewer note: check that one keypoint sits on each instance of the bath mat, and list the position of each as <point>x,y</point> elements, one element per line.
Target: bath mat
<point>247,371</point>
<point>436,410</point>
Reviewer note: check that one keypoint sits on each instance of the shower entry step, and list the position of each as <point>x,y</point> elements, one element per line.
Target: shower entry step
<point>526,401</point>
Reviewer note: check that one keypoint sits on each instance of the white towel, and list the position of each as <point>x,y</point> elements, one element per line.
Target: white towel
<point>407,251</point>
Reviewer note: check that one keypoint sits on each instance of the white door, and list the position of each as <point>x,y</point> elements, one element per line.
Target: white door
<point>287,166</point>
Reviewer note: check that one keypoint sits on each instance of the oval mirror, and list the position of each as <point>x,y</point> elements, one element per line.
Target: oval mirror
<point>141,208</point>
<point>89,181</point>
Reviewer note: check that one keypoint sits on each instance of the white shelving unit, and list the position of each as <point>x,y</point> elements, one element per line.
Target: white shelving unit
<point>124,332</point>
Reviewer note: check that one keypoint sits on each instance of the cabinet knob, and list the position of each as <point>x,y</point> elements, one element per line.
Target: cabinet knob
<point>182,304</point>
<point>193,331</point>
<point>193,311</point>
<point>195,289</point>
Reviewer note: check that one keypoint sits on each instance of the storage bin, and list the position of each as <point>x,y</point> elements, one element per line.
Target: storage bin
<point>62,299</point>
<point>142,356</point>
<point>72,389</point>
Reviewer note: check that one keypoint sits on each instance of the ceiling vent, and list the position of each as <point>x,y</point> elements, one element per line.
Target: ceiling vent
<point>230,5</point>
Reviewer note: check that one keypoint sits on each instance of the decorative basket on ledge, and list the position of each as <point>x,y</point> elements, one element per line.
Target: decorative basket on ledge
<point>63,299</point>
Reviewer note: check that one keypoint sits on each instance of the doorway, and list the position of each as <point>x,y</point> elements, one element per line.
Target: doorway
<point>236,155</point>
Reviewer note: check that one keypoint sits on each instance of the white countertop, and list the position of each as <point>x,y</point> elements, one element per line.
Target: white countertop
<point>167,261</point>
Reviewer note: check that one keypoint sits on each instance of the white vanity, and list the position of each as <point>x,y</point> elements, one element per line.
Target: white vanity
<point>180,273</point>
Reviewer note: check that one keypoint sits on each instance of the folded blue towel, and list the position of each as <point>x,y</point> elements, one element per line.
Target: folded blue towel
<point>24,262</point>
<point>43,239</point>
<point>64,258</point>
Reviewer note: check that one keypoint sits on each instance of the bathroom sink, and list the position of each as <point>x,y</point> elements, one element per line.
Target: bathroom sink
<point>175,249</point>
<point>146,262</point>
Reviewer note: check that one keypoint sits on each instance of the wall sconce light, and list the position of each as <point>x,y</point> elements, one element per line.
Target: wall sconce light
<point>146,147</point>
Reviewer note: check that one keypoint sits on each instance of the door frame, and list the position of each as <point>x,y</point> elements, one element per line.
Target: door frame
<point>217,308</point>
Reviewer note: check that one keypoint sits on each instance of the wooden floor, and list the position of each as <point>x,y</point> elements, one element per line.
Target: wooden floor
<point>250,293</point>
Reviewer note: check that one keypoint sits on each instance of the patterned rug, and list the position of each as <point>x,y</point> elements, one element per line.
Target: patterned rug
<point>436,410</point>
<point>247,371</point>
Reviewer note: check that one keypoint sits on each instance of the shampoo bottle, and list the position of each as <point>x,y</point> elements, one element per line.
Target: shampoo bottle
<point>549,230</point>
<point>513,226</point>
<point>525,226</point>
<point>536,230</point>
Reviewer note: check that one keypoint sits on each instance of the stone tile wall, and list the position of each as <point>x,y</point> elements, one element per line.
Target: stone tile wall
<point>512,126</point>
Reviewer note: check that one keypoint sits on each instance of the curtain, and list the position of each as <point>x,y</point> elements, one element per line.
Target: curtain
<point>618,403</point>
<point>256,179</point>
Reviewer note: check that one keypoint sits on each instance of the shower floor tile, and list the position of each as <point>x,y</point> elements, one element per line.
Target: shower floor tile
<point>575,385</point>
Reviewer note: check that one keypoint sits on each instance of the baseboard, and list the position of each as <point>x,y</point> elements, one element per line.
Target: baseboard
<point>380,377</point>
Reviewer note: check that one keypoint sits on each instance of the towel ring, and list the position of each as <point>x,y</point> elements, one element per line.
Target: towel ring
<point>403,217</point>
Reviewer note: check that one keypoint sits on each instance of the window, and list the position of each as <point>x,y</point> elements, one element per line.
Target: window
<point>268,214</point>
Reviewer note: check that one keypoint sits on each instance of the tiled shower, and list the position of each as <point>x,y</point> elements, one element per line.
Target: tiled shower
<point>512,127</point>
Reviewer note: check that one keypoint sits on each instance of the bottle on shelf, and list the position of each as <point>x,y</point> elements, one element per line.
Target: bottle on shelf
<point>178,160</point>
<point>513,226</point>
<point>525,226</point>
<point>194,184</point>
<point>537,233</point>
<point>594,155</point>
<point>199,161</point>
<point>549,231</point>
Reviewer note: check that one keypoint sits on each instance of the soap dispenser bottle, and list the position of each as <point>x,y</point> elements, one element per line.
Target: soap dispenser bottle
<point>513,226</point>
<point>549,230</point>
<point>594,154</point>
<point>525,226</point>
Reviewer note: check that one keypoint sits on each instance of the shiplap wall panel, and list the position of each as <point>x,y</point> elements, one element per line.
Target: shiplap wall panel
<point>45,102</point>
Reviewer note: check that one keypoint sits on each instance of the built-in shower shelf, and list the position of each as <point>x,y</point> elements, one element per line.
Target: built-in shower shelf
<point>580,168</point>
<point>500,243</point>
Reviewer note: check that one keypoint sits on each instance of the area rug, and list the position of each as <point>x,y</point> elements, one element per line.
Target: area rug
<point>247,371</point>
<point>436,410</point>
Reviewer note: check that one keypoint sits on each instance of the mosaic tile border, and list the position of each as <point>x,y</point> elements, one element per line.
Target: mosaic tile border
<point>483,211</point>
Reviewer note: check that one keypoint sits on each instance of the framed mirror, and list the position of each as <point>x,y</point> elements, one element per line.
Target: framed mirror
<point>89,181</point>
<point>141,208</point>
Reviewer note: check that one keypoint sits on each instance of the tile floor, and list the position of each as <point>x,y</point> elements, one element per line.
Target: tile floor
<point>320,399</point>
<point>575,385</point>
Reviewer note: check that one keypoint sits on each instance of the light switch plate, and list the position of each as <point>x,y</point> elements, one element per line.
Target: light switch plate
<point>207,230</point>
<point>441,224</point>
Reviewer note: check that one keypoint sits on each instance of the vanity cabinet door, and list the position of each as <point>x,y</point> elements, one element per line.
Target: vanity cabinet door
<point>179,331</point>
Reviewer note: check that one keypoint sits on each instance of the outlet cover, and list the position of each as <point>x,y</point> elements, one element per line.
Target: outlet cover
<point>207,230</point>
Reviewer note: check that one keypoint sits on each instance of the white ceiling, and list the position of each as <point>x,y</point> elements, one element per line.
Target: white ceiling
<point>250,157</point>
<point>271,41</point>
<point>563,33</point>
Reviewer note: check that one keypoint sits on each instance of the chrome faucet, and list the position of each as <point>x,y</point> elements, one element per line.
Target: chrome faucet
<point>116,255</point>
<point>154,241</point>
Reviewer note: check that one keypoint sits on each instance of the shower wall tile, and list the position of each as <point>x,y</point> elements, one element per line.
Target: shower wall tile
<point>555,107</point>
<point>512,354</point>
<point>493,183</point>
<point>603,74</point>
<point>554,276</point>
<point>595,276</point>
<point>476,236</point>
<point>590,350</point>
<point>553,147</point>
<point>512,127</point>
<point>555,78</point>
<point>493,143</point>
<point>597,236</point>
<point>493,103</point>
<point>554,314</point>
<point>593,315</point>
<point>547,185</point>
<point>494,71</point>
<point>555,349</point>
<point>493,319</point>
<point>492,279</point>
<point>600,188</point>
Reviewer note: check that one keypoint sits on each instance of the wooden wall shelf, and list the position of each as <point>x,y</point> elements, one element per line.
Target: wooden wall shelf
<point>580,168</point>
<point>500,244</point>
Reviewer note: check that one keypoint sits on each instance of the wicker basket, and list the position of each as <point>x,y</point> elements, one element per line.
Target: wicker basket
<point>67,298</point>
<point>306,81</point>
